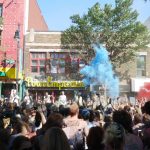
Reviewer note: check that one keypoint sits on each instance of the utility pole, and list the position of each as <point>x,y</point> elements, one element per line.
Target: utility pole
<point>17,38</point>
<point>2,64</point>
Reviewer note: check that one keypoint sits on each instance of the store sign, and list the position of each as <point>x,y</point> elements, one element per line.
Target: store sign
<point>53,84</point>
<point>10,73</point>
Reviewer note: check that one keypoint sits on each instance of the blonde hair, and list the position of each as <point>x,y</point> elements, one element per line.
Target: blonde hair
<point>74,109</point>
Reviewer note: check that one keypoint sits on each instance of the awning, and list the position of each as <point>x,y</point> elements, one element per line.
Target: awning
<point>2,74</point>
<point>138,83</point>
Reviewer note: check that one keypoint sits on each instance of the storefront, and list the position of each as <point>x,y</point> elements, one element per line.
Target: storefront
<point>9,80</point>
<point>138,83</point>
<point>38,88</point>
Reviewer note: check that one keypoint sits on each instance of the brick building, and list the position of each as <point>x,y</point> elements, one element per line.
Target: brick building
<point>136,73</point>
<point>17,15</point>
<point>45,58</point>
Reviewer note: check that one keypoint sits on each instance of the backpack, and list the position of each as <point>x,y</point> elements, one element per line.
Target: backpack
<point>77,142</point>
<point>75,136</point>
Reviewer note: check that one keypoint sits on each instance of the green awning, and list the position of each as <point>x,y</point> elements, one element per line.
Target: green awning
<point>2,74</point>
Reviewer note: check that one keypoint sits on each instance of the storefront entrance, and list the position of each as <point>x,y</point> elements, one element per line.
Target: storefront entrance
<point>6,89</point>
<point>38,93</point>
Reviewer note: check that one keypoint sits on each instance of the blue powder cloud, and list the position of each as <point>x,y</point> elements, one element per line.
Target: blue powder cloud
<point>100,72</point>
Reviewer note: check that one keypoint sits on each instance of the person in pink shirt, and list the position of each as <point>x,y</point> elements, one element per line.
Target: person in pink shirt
<point>75,128</point>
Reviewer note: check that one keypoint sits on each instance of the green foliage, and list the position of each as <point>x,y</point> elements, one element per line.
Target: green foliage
<point>115,27</point>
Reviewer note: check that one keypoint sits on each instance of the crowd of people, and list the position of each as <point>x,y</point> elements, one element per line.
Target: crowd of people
<point>73,124</point>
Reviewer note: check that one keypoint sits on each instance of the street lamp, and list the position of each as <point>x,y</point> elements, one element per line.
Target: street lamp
<point>17,38</point>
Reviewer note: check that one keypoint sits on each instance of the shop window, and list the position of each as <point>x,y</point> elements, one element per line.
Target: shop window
<point>34,69</point>
<point>141,65</point>
<point>57,63</point>
<point>74,66</point>
<point>81,64</point>
<point>54,64</point>
<point>61,68</point>
<point>74,63</point>
<point>38,62</point>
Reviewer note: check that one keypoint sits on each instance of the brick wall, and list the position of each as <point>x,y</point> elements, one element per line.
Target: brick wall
<point>36,20</point>
<point>13,14</point>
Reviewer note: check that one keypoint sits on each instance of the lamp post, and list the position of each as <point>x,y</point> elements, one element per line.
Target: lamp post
<point>17,38</point>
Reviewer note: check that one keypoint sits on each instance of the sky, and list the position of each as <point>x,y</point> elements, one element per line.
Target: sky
<point>57,12</point>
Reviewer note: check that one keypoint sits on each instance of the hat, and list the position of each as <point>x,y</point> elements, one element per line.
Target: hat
<point>85,112</point>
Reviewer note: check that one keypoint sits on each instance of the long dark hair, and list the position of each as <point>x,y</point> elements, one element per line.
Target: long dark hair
<point>55,139</point>
<point>124,118</point>
<point>38,119</point>
<point>95,138</point>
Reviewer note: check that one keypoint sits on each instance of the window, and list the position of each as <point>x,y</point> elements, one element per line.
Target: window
<point>74,66</point>
<point>1,10</point>
<point>81,64</point>
<point>57,62</point>
<point>141,65</point>
<point>74,63</point>
<point>38,62</point>
<point>54,66</point>
<point>0,37</point>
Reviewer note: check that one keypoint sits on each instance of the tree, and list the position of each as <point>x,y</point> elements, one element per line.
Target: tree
<point>115,27</point>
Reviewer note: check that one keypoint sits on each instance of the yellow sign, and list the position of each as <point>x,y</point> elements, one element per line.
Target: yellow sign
<point>11,73</point>
<point>49,83</point>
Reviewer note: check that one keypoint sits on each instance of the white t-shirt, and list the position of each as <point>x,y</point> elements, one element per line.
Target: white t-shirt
<point>62,100</point>
<point>27,100</point>
<point>16,100</point>
<point>47,99</point>
<point>80,101</point>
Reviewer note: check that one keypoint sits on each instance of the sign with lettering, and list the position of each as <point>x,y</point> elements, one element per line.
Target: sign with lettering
<point>53,84</point>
